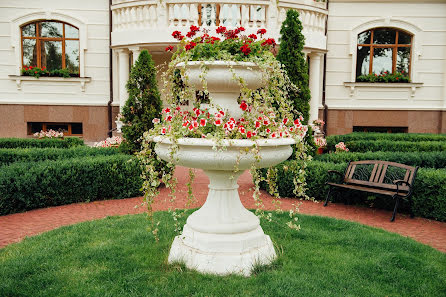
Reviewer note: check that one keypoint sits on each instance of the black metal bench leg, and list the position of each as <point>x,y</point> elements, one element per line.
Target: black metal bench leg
<point>328,196</point>
<point>395,209</point>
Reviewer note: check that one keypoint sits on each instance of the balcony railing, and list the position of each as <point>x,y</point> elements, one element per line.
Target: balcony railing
<point>181,14</point>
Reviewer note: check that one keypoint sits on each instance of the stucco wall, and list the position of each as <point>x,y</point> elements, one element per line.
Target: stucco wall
<point>426,20</point>
<point>91,17</point>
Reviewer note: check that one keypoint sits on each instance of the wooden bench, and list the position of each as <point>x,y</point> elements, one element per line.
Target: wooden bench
<point>379,177</point>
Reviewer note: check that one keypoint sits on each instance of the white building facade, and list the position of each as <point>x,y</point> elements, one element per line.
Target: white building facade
<point>97,42</point>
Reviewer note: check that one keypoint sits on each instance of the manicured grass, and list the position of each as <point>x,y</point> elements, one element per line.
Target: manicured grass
<point>118,257</point>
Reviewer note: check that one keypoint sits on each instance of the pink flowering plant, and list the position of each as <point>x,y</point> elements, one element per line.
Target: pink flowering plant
<point>266,112</point>
<point>320,142</point>
<point>114,141</point>
<point>341,147</point>
<point>48,134</point>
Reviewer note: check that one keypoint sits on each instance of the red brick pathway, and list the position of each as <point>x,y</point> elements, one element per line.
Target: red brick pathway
<point>15,227</point>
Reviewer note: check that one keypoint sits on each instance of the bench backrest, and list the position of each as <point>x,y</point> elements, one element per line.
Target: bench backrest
<point>379,174</point>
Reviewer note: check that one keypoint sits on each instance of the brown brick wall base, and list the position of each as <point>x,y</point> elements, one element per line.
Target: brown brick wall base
<point>343,121</point>
<point>94,119</point>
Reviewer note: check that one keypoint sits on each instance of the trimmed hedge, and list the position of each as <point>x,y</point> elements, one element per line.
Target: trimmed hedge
<point>414,137</point>
<point>8,156</point>
<point>40,143</point>
<point>429,197</point>
<point>422,159</point>
<point>395,146</point>
<point>25,186</point>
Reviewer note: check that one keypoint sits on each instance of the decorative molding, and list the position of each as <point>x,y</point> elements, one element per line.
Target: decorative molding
<point>21,20</point>
<point>18,80</point>
<point>353,85</point>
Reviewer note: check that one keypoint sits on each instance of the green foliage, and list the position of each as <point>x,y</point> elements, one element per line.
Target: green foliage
<point>421,159</point>
<point>30,185</point>
<point>396,77</point>
<point>9,156</point>
<point>66,142</point>
<point>396,146</point>
<point>332,140</point>
<point>116,256</point>
<point>429,197</point>
<point>292,57</point>
<point>38,72</point>
<point>144,103</point>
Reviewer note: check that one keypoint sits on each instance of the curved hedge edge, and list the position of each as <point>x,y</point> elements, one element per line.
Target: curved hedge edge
<point>399,146</point>
<point>66,142</point>
<point>429,197</point>
<point>9,156</point>
<point>25,186</point>
<point>422,159</point>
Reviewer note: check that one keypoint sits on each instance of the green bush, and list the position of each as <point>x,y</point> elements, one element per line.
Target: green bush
<point>25,186</point>
<point>422,159</point>
<point>429,197</point>
<point>8,156</point>
<point>414,137</point>
<point>40,143</point>
<point>395,146</point>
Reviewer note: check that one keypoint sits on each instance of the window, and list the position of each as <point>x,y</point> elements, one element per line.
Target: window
<point>380,129</point>
<point>68,129</point>
<point>50,44</point>
<point>383,50</point>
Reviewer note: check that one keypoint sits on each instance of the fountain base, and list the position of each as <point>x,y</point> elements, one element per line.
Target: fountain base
<point>222,254</point>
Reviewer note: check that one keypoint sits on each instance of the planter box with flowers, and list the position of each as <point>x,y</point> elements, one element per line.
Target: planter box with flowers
<point>42,74</point>
<point>247,125</point>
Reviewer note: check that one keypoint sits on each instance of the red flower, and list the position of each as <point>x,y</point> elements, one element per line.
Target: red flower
<point>242,130</point>
<point>269,41</point>
<point>177,35</point>
<point>169,48</point>
<point>297,123</point>
<point>43,68</point>
<point>243,106</point>
<point>261,31</point>
<point>221,30</point>
<point>166,110</point>
<point>35,71</point>
<point>245,49</point>
<point>397,78</point>
<point>168,118</point>
<point>239,29</point>
<point>258,124</point>
<point>190,45</point>
<point>217,122</point>
<point>194,28</point>
<point>285,120</point>
<point>253,36</point>
<point>249,134</point>
<point>191,34</point>
<point>31,67</point>
<point>202,122</point>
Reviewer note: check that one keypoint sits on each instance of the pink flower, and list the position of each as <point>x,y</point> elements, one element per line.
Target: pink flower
<point>155,120</point>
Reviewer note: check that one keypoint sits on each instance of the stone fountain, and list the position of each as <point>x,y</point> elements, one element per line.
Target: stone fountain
<point>223,237</point>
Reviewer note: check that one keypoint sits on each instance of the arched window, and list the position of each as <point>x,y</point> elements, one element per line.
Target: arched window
<point>383,50</point>
<point>50,44</point>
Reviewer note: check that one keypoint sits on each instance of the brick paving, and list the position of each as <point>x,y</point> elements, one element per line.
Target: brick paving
<point>15,227</point>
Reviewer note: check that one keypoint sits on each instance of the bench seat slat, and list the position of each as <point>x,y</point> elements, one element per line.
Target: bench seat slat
<point>365,189</point>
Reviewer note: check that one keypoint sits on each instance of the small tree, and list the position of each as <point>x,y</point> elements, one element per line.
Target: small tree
<point>144,103</point>
<point>291,56</point>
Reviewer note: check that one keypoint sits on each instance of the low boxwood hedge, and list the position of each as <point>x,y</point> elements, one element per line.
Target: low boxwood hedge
<point>25,186</point>
<point>8,156</point>
<point>429,197</point>
<point>413,137</point>
<point>395,146</point>
<point>40,143</point>
<point>422,159</point>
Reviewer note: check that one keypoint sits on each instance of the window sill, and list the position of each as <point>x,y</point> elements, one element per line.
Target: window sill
<point>18,80</point>
<point>353,85</point>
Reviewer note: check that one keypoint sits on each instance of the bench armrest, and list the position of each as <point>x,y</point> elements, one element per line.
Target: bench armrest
<point>331,172</point>
<point>399,182</point>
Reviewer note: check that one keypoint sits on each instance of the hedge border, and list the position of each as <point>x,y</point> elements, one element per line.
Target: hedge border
<point>40,143</point>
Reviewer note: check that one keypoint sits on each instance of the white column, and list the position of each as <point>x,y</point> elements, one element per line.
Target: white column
<point>315,74</point>
<point>135,53</point>
<point>123,76</point>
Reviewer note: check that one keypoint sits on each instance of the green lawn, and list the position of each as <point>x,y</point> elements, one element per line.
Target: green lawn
<point>118,257</point>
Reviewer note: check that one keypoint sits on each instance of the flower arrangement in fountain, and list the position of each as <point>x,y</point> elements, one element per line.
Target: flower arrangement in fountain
<point>48,134</point>
<point>266,113</point>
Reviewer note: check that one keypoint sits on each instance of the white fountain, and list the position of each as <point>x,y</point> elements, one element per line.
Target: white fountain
<point>223,237</point>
